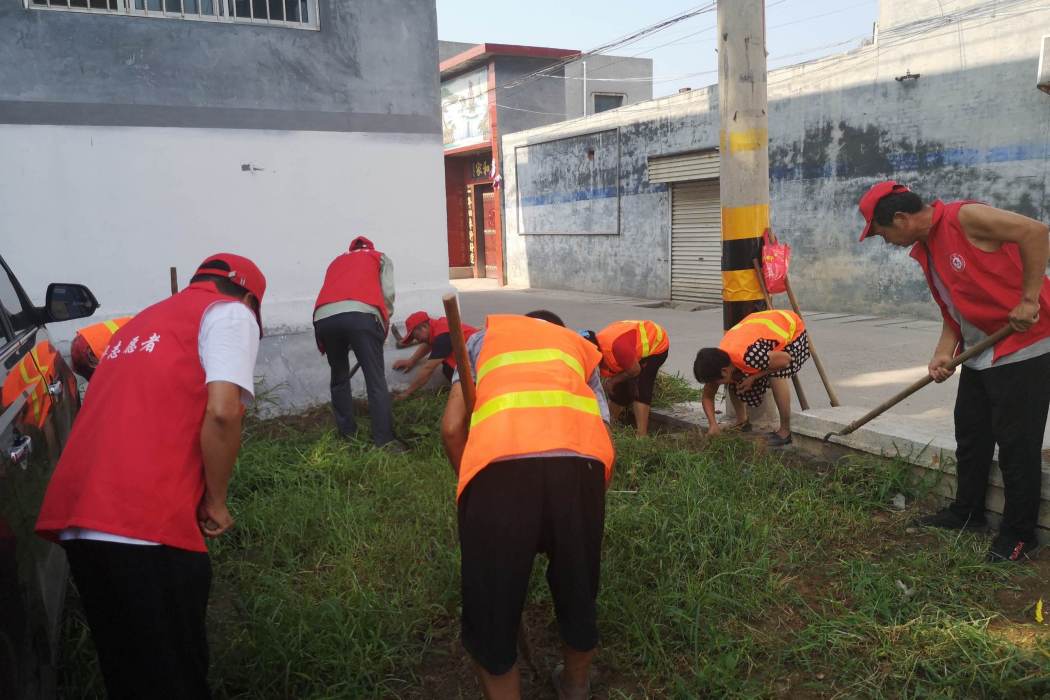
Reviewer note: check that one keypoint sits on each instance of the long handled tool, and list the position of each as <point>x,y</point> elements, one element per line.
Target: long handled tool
<point>769,305</point>
<point>890,403</point>
<point>812,348</point>
<point>459,348</point>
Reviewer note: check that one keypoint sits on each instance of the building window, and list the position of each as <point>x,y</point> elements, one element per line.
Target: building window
<point>607,101</point>
<point>280,13</point>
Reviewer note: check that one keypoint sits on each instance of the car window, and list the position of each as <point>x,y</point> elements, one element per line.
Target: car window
<point>11,301</point>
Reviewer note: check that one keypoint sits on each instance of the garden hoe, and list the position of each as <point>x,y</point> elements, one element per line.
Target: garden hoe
<point>890,403</point>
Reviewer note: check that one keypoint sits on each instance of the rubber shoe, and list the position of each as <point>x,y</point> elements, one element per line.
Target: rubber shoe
<point>1005,549</point>
<point>948,519</point>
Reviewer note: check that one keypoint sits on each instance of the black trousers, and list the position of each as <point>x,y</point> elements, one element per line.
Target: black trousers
<point>510,512</point>
<point>1005,406</point>
<point>640,388</point>
<point>146,608</point>
<point>362,333</point>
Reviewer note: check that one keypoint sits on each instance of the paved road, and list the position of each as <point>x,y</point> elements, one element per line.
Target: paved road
<point>869,358</point>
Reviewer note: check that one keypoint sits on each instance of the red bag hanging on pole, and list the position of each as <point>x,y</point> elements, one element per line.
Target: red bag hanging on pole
<point>775,260</point>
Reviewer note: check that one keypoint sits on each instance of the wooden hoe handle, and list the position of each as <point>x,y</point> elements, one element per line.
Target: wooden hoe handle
<point>459,348</point>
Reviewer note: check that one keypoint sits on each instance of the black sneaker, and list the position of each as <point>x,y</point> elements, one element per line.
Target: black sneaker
<point>774,440</point>
<point>948,519</point>
<point>1006,548</point>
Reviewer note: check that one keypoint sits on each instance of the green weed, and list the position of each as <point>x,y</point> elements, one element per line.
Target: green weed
<point>727,573</point>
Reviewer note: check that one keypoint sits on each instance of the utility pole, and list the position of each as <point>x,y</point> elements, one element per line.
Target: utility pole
<point>744,161</point>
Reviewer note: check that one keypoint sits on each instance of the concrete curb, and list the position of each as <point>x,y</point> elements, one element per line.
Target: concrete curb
<point>888,436</point>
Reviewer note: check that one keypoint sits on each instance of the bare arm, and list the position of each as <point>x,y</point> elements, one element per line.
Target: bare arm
<point>778,360</point>
<point>422,351</point>
<point>707,400</point>
<point>944,353</point>
<point>220,443</point>
<point>990,227</point>
<point>421,378</point>
<point>454,426</point>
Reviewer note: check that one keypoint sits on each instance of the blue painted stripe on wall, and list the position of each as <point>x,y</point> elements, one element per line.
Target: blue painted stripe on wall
<point>539,200</point>
<point>900,161</point>
<point>968,157</point>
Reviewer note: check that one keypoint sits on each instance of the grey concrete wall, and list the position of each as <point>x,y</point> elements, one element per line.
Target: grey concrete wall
<point>973,126</point>
<point>630,77</point>
<point>533,103</point>
<point>448,49</point>
<point>167,72</point>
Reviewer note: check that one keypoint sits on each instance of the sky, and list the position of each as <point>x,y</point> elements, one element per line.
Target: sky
<point>683,55</point>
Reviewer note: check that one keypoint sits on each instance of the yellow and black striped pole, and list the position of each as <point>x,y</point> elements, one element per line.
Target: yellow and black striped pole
<point>744,141</point>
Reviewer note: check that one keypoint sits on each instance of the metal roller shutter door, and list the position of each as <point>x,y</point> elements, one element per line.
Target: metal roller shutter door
<point>696,242</point>
<point>683,167</point>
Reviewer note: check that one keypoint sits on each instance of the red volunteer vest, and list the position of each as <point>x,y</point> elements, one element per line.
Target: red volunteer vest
<point>354,276</point>
<point>984,287</point>
<point>439,326</point>
<point>133,464</point>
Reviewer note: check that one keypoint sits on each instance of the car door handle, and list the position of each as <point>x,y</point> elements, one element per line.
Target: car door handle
<point>20,450</point>
<point>55,390</point>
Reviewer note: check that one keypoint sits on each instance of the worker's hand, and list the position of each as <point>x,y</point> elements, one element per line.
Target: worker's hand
<point>1024,315</point>
<point>939,370</point>
<point>213,518</point>
<point>403,365</point>
<point>714,429</point>
<point>400,395</point>
<point>745,384</point>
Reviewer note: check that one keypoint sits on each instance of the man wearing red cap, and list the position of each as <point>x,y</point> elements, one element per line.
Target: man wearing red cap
<point>632,354</point>
<point>352,313</point>
<point>434,340</point>
<point>986,268</point>
<point>143,478</point>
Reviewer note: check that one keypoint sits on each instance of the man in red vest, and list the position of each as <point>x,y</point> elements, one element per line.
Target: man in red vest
<point>986,268</point>
<point>143,478</point>
<point>352,312</point>
<point>434,340</point>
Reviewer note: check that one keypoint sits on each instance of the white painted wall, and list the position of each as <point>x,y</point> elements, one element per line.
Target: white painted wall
<point>115,207</point>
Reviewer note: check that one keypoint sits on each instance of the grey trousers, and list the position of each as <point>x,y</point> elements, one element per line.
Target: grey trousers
<point>362,333</point>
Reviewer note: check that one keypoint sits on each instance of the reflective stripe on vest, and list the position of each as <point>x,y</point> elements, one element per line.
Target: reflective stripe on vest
<point>771,325</point>
<point>520,357</point>
<point>534,399</point>
<point>658,337</point>
<point>111,325</point>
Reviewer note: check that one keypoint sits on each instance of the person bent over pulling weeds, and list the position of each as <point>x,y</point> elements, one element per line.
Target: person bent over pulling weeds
<point>763,351</point>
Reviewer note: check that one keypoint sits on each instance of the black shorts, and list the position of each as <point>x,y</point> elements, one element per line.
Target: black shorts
<point>447,370</point>
<point>640,388</point>
<point>510,512</point>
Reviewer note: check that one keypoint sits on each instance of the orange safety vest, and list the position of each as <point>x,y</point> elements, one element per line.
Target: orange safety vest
<point>533,396</point>
<point>32,375</point>
<point>652,340</point>
<point>781,327</point>
<point>99,334</point>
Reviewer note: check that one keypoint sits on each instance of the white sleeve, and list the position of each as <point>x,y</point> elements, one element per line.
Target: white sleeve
<point>228,344</point>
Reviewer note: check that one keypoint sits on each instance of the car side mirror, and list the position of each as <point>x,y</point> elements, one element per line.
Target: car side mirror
<point>67,301</point>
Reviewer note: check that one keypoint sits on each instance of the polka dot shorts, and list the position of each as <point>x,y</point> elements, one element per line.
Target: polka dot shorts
<point>757,356</point>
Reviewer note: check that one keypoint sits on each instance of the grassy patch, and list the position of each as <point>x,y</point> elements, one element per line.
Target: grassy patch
<point>671,389</point>
<point>728,572</point>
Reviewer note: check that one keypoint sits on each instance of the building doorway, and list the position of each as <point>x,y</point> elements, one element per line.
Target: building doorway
<point>486,234</point>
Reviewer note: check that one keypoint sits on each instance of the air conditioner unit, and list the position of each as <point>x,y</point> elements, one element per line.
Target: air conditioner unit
<point>1044,66</point>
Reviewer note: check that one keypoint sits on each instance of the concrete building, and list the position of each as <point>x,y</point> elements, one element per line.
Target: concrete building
<point>491,89</point>
<point>136,136</point>
<point>942,98</point>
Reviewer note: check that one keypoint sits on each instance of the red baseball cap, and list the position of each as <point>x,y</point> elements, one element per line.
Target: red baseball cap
<point>415,321</point>
<point>239,270</point>
<point>871,199</point>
